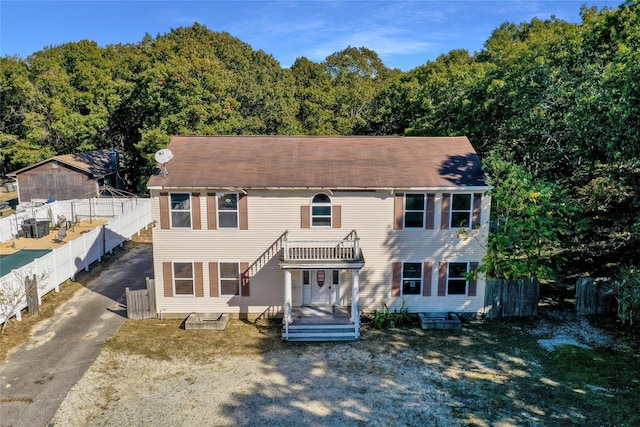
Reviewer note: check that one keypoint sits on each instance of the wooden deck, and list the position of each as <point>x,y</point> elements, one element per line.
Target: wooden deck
<point>321,315</point>
<point>49,241</point>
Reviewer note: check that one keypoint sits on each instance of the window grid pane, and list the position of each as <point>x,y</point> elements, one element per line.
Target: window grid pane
<point>228,219</point>
<point>460,210</point>
<point>229,287</point>
<point>229,278</point>
<point>414,210</point>
<point>457,283</point>
<point>183,278</point>
<point>321,211</point>
<point>411,278</point>
<point>180,210</point>
<point>184,287</point>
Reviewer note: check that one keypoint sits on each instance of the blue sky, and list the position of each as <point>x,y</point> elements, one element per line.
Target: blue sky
<point>405,34</point>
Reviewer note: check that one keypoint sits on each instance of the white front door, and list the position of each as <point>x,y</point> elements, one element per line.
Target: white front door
<point>320,287</point>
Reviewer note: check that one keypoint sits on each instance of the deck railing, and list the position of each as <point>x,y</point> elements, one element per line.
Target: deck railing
<point>347,249</point>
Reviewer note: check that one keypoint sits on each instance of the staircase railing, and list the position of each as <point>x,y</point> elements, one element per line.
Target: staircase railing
<point>269,253</point>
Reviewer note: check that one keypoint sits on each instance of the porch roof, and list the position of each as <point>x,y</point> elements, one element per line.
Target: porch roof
<point>315,162</point>
<point>320,264</point>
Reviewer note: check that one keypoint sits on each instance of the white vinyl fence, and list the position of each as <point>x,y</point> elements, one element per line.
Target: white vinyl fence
<point>73,210</point>
<point>63,263</point>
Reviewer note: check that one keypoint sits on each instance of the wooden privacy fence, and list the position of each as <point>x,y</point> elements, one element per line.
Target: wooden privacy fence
<point>141,304</point>
<point>593,296</point>
<point>512,298</point>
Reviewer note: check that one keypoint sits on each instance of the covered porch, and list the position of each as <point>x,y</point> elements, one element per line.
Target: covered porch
<point>324,314</point>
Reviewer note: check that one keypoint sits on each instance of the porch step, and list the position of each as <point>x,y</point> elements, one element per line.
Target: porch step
<point>320,333</point>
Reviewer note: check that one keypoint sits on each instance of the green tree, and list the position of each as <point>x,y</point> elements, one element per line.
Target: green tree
<point>531,218</point>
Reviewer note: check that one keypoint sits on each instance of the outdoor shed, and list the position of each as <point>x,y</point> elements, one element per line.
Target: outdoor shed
<point>68,176</point>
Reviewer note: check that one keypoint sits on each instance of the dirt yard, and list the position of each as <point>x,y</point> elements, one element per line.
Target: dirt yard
<point>550,371</point>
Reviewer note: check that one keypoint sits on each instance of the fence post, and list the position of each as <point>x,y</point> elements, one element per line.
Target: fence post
<point>31,291</point>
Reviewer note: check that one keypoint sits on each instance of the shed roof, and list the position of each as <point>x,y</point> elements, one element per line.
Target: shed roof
<point>332,162</point>
<point>96,163</point>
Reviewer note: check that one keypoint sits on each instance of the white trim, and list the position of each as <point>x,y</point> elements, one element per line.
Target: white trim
<point>236,210</point>
<point>424,210</point>
<point>171,211</point>
<point>193,278</point>
<point>451,210</point>
<point>466,288</point>
<point>220,278</point>
<point>421,290</point>
<point>330,216</point>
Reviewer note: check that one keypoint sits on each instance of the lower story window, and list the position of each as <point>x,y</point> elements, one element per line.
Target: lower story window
<point>229,278</point>
<point>457,280</point>
<point>183,281</point>
<point>411,278</point>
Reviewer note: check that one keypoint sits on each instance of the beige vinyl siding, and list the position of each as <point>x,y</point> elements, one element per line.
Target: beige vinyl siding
<point>271,213</point>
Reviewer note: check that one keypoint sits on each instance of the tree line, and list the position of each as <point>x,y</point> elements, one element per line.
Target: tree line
<point>552,108</point>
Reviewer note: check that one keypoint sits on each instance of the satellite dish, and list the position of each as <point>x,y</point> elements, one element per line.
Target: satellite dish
<point>163,156</point>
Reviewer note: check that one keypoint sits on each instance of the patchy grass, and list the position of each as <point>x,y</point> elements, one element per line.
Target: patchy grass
<point>166,340</point>
<point>19,332</point>
<point>493,372</point>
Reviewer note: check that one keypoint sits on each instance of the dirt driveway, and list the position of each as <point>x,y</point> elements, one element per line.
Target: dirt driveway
<point>38,375</point>
<point>548,371</point>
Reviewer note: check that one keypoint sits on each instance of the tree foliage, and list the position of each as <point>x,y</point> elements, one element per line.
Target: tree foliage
<point>555,103</point>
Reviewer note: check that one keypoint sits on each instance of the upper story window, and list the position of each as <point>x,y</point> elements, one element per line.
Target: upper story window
<point>321,211</point>
<point>228,210</point>
<point>461,210</point>
<point>456,278</point>
<point>180,206</point>
<point>414,210</point>
<point>183,278</point>
<point>411,278</point>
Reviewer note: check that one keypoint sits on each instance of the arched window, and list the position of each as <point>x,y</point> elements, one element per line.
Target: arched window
<point>321,211</point>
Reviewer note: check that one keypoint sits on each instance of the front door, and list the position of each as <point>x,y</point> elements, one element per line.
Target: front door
<point>320,287</point>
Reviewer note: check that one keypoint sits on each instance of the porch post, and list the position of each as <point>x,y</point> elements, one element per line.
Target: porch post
<point>355,296</point>
<point>287,296</point>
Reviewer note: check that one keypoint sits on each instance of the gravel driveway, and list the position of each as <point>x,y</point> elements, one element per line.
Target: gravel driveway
<point>315,385</point>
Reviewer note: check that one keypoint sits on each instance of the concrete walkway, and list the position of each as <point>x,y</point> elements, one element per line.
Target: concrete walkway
<point>38,375</point>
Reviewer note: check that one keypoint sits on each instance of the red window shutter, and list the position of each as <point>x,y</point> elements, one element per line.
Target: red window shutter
<point>212,211</point>
<point>477,209</point>
<point>446,207</point>
<point>431,212</point>
<point>397,278</point>
<point>164,211</point>
<point>427,270</point>
<point>336,212</point>
<point>304,217</point>
<point>473,284</point>
<point>398,211</point>
<point>195,211</point>
<point>442,279</point>
<point>243,213</point>
<point>244,279</point>
<point>213,279</point>
<point>167,277</point>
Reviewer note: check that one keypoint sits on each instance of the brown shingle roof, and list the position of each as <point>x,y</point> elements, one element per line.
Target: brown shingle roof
<point>351,162</point>
<point>96,163</point>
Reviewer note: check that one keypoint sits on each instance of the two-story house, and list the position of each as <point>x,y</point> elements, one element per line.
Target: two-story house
<point>317,229</point>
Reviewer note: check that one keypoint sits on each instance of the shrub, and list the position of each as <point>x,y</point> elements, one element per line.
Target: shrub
<point>626,290</point>
<point>385,318</point>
